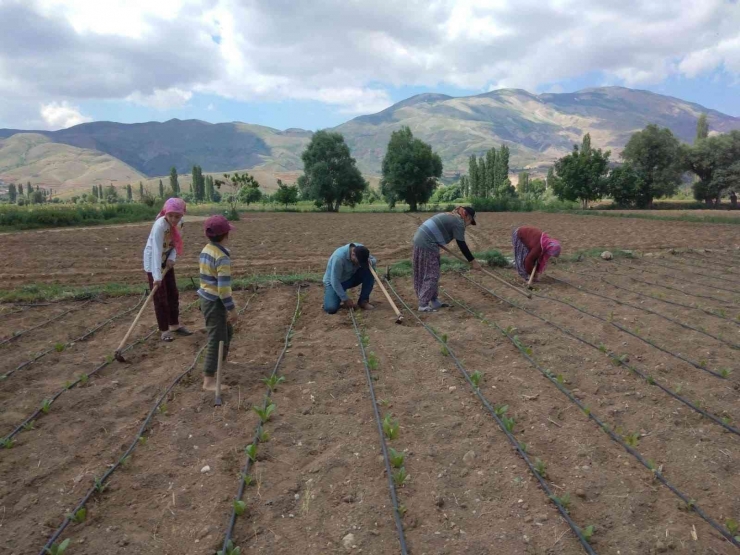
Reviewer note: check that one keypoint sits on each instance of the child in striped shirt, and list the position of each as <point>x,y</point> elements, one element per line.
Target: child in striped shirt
<point>216,303</point>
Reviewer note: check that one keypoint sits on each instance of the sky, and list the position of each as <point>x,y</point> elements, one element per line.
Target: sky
<point>315,64</point>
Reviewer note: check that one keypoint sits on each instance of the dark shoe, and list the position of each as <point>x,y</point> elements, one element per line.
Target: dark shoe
<point>182,331</point>
<point>365,305</point>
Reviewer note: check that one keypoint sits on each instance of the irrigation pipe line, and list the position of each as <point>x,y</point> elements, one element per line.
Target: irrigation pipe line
<point>699,283</point>
<point>99,485</point>
<point>648,310</point>
<point>636,336</point>
<point>697,295</point>
<point>707,276</point>
<point>42,324</point>
<point>694,263</point>
<point>649,379</point>
<point>384,447</point>
<point>509,435</point>
<point>695,257</point>
<point>258,429</point>
<point>666,301</point>
<point>39,411</point>
<point>70,343</point>
<point>606,428</point>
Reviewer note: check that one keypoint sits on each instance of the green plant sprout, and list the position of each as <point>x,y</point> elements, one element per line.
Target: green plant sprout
<point>651,380</point>
<point>100,487</point>
<point>28,426</point>
<point>540,468</point>
<point>273,381</point>
<point>475,377</point>
<point>372,361</point>
<point>59,347</point>
<point>726,420</point>
<point>703,362</point>
<point>445,351</point>
<point>587,532</point>
<point>162,408</point>
<point>732,526</point>
<point>265,413</point>
<point>109,359</point>
<point>230,549</point>
<point>46,406</point>
<point>402,510</point>
<point>142,440</point>
<point>58,549</point>
<point>602,348</point>
<point>390,427</point>
<point>724,372</point>
<point>500,410</point>
<point>68,384</point>
<point>125,460</point>
<point>84,378</point>
<point>564,501</point>
<point>79,516</point>
<point>247,479</point>
<point>7,443</point>
<point>400,476</point>
<point>396,457</point>
<point>264,436</point>
<point>239,507</point>
<point>633,439</point>
<point>251,451</point>
<point>560,379</point>
<point>651,465</point>
<point>523,446</point>
<point>508,423</point>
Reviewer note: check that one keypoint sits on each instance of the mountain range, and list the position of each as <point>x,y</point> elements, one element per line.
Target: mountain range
<point>537,128</point>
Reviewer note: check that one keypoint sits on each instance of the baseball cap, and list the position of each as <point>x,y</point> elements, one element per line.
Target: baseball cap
<point>363,255</point>
<point>471,212</point>
<point>217,225</point>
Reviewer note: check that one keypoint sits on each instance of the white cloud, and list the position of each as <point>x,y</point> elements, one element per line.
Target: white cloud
<point>169,99</point>
<point>60,115</point>
<point>346,54</point>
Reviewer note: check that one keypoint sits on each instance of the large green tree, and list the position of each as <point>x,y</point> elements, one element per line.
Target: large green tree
<point>581,175</point>
<point>714,161</point>
<point>174,184</point>
<point>410,169</point>
<point>502,185</point>
<point>286,194</point>
<point>473,175</point>
<point>702,128</point>
<point>12,193</point>
<point>654,154</point>
<point>330,175</point>
<point>161,189</point>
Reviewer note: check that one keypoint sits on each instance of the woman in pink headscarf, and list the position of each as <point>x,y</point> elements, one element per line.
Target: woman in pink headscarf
<point>162,248</point>
<point>532,245</point>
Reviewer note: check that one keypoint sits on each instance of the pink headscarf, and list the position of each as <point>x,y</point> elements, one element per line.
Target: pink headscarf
<point>550,247</point>
<point>178,206</point>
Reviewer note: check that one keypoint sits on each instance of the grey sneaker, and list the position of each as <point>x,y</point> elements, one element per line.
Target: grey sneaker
<point>426,309</point>
<point>436,304</point>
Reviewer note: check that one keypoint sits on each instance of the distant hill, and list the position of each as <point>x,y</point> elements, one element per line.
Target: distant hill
<point>32,157</point>
<point>537,128</point>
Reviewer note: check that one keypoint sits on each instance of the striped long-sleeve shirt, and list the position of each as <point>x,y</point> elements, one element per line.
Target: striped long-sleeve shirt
<point>215,274</point>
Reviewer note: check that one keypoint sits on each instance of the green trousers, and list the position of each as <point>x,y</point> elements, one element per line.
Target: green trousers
<point>218,329</point>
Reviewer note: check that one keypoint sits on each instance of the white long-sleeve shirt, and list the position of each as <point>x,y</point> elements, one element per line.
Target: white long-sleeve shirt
<point>156,247</point>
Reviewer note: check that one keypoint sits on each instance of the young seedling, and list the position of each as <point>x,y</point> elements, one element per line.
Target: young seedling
<point>46,406</point>
<point>703,363</point>
<point>732,526</point>
<point>162,408</point>
<point>587,411</point>
<point>726,420</point>
<point>100,487</point>
<point>264,436</point>
<point>125,460</point>
<point>402,510</point>
<point>142,440</point>
<point>84,378</point>
<point>390,427</point>
<point>251,451</point>
<point>59,347</point>
<point>523,446</point>
<point>602,348</point>
<point>372,361</point>
<point>475,377</point>
<point>500,410</point>
<point>651,380</point>
<point>7,443</point>
<point>109,359</point>
<point>239,507</point>
<point>396,457</point>
<point>247,479</point>
<point>79,516</point>
<point>508,423</point>
<point>445,351</point>
<point>230,549</point>
<point>560,379</point>
<point>564,501</point>
<point>633,439</point>
<point>273,381</point>
<point>67,384</point>
<point>264,413</point>
<point>57,549</point>
<point>725,373</point>
<point>28,426</point>
<point>400,476</point>
<point>611,316</point>
<point>587,532</point>
<point>540,468</point>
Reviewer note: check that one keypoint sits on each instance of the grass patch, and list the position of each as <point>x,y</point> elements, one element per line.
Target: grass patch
<point>490,258</point>
<point>17,218</point>
<point>695,218</point>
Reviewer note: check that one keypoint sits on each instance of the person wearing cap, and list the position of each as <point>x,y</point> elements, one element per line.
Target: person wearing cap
<point>348,267</point>
<point>160,253</point>
<point>438,230</point>
<point>532,246</point>
<point>216,303</point>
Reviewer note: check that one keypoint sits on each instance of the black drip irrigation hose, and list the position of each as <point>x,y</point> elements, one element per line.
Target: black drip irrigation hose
<point>258,429</point>
<point>617,360</point>
<point>70,343</point>
<point>44,408</point>
<point>633,334</point>
<point>384,447</point>
<point>666,301</point>
<point>693,257</point>
<point>99,485</point>
<point>683,279</point>
<point>573,526</point>
<point>707,276</point>
<point>694,263</point>
<point>42,324</point>
<point>605,427</point>
<point>648,310</point>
